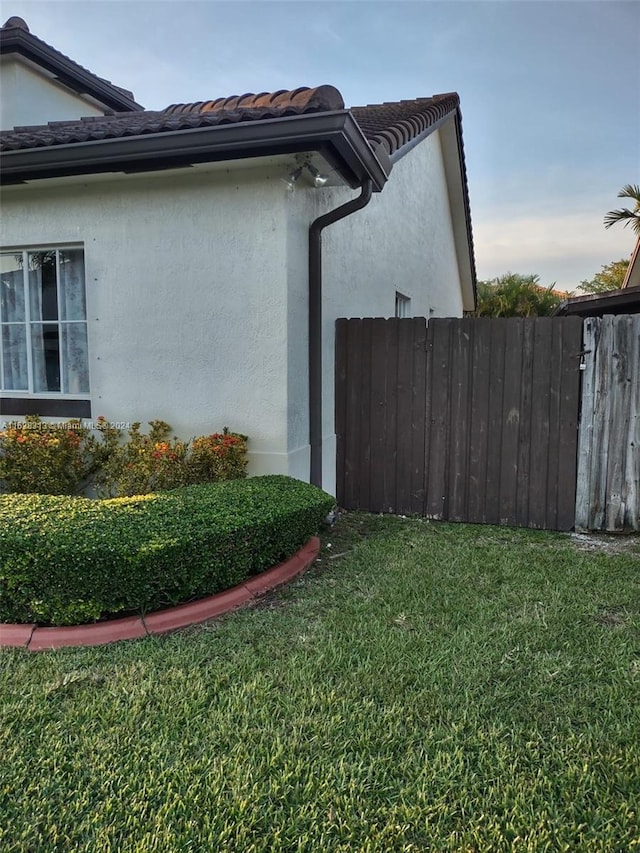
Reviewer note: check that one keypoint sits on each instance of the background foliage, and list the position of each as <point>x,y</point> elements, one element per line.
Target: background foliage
<point>516,295</point>
<point>610,277</point>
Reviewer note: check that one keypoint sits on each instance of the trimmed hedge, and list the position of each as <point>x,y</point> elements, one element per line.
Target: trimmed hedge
<point>66,560</point>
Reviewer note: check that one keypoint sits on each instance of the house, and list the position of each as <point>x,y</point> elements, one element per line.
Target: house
<point>632,276</point>
<point>626,300</point>
<point>189,263</point>
<point>623,301</point>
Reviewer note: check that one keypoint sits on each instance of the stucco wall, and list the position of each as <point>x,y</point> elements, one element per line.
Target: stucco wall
<point>194,278</point>
<point>30,98</point>
<point>402,241</point>
<point>186,297</point>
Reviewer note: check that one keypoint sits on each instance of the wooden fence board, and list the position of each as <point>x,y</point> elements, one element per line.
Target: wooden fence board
<point>511,419</point>
<point>378,416</point>
<point>411,401</point>
<point>498,352</point>
<point>540,437</point>
<point>524,435</point>
<point>390,459</point>
<point>341,410</point>
<point>438,360</point>
<point>479,368</point>
<point>460,390</point>
<point>556,376</point>
<point>567,429</point>
<point>419,415</point>
<point>608,492</point>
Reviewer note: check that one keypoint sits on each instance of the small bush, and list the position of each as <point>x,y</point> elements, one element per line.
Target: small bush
<point>156,462</point>
<point>68,560</point>
<point>47,459</point>
<point>221,456</point>
<point>144,463</point>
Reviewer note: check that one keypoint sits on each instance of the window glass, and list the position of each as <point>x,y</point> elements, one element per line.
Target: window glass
<point>72,298</point>
<point>45,353</point>
<point>11,288</point>
<point>403,305</point>
<point>15,374</point>
<point>75,358</point>
<point>43,291</point>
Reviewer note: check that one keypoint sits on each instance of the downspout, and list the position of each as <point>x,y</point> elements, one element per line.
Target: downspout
<point>315,322</point>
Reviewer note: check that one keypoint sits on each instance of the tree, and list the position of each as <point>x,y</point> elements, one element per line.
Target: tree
<point>625,215</point>
<point>515,295</point>
<point>610,277</point>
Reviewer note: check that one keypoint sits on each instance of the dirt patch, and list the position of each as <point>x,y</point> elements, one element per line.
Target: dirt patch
<point>607,543</point>
<point>612,617</point>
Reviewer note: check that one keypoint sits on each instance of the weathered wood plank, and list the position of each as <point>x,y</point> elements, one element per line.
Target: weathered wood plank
<point>438,354</point>
<point>540,436</point>
<point>608,481</point>
<point>404,405</point>
<point>479,415</point>
<point>356,365</point>
<point>495,452</point>
<point>362,391</point>
<point>591,334</point>
<point>511,417</point>
<point>378,415</point>
<point>566,429</point>
<point>410,415</point>
<point>523,484</point>
<point>419,415</point>
<point>342,460</point>
<point>632,443</point>
<point>391,335</point>
<point>461,341</point>
<point>554,400</point>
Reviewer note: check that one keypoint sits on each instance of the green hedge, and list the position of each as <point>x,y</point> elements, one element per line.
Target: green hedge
<point>66,560</point>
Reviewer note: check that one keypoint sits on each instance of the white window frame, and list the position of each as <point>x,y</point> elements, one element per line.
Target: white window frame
<point>28,323</point>
<point>403,305</point>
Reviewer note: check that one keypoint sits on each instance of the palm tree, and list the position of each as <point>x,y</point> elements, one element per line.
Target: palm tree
<point>515,295</point>
<point>631,191</point>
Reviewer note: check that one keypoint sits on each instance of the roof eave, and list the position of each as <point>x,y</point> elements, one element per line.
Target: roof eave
<point>334,134</point>
<point>399,153</point>
<point>68,72</point>
<point>597,304</point>
<point>458,189</point>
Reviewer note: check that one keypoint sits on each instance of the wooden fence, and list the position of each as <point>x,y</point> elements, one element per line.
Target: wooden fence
<point>608,492</point>
<point>477,420</point>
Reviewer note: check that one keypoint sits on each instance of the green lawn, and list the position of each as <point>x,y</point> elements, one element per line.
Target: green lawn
<point>426,687</point>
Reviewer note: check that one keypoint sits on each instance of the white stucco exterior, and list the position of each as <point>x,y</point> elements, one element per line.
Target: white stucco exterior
<point>30,97</point>
<point>401,241</point>
<point>197,288</point>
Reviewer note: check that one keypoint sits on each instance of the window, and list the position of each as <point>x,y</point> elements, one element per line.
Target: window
<point>403,305</point>
<point>43,322</point>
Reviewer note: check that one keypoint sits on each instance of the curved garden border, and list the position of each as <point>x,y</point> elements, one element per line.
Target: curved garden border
<point>36,638</point>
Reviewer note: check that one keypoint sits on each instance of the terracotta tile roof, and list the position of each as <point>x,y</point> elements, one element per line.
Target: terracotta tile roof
<point>303,99</point>
<point>390,125</point>
<point>231,110</point>
<point>393,125</point>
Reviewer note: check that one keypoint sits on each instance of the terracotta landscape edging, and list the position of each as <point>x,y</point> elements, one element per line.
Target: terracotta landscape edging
<point>35,638</point>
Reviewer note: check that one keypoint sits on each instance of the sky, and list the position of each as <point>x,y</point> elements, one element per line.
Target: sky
<point>550,93</point>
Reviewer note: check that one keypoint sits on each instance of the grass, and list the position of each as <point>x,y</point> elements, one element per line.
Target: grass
<point>426,687</point>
